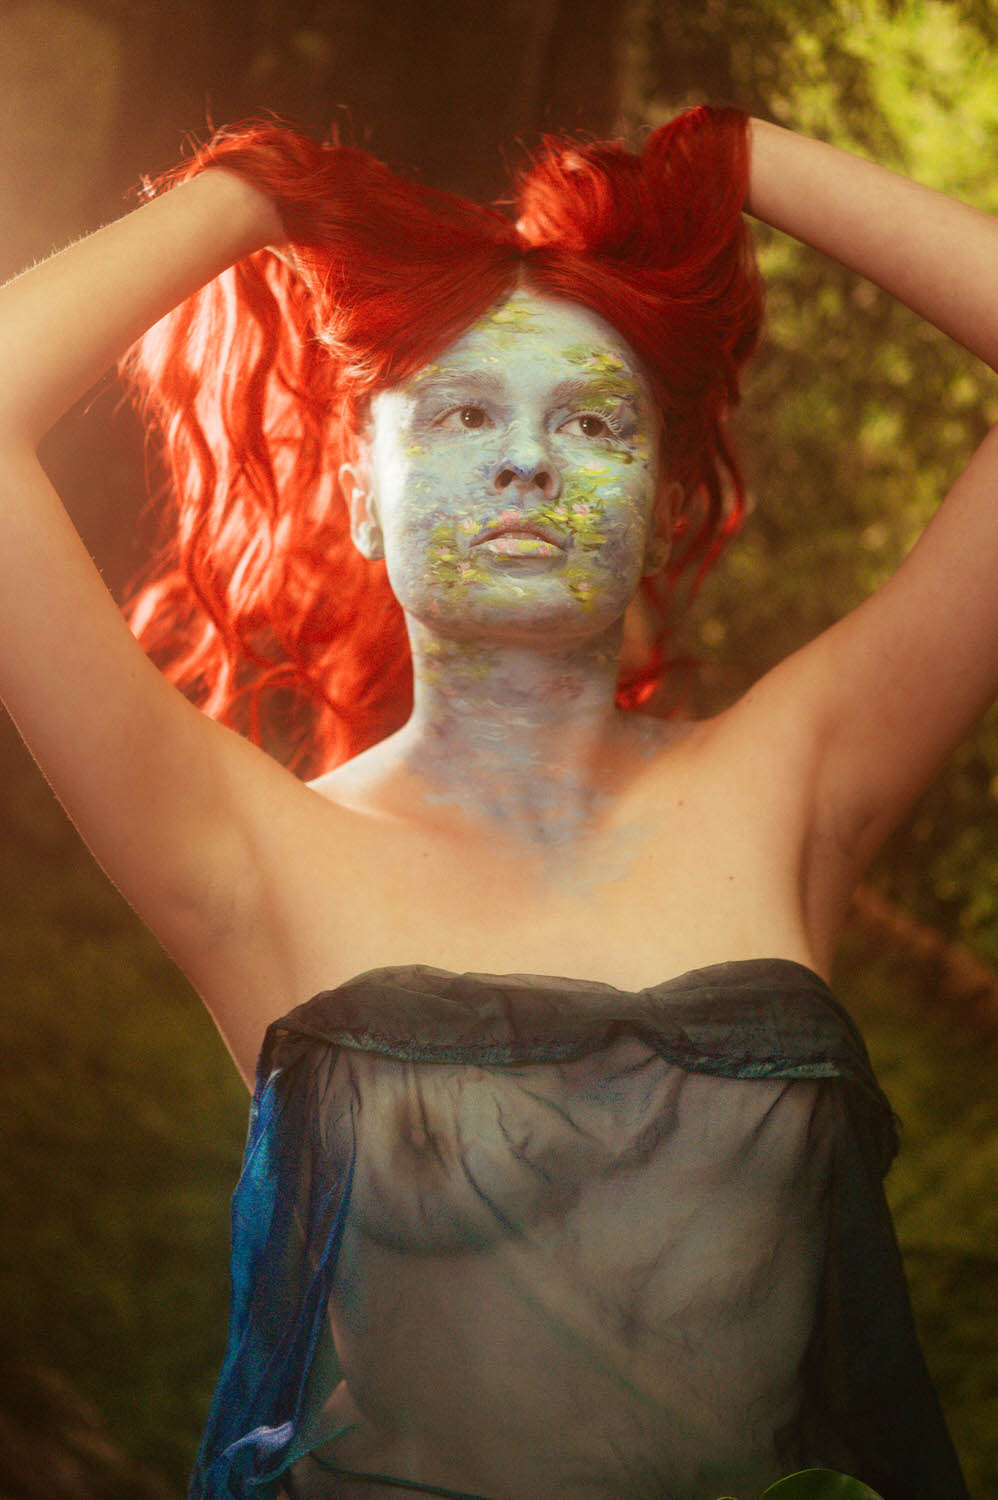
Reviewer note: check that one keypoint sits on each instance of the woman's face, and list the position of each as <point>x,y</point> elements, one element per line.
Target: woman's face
<point>540,417</point>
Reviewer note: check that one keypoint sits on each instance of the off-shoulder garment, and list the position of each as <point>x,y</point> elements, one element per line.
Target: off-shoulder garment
<point>531,1238</point>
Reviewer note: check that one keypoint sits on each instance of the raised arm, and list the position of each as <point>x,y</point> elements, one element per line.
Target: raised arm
<point>66,321</point>
<point>148,779</point>
<point>894,687</point>
<point>933,253</point>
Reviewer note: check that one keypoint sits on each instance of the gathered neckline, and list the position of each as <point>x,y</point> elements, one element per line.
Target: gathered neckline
<point>746,1018</point>
<point>721,970</point>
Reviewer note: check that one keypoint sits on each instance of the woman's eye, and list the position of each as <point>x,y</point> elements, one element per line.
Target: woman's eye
<point>589,426</point>
<point>470,418</point>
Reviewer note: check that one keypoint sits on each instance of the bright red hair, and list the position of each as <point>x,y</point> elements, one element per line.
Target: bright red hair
<point>258,598</point>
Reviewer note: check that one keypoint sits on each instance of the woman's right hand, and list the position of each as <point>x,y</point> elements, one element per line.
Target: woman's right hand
<point>270,221</point>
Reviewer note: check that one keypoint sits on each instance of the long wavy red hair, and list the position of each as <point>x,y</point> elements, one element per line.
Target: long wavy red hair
<point>257,603</point>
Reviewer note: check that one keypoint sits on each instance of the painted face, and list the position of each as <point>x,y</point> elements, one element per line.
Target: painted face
<point>538,417</point>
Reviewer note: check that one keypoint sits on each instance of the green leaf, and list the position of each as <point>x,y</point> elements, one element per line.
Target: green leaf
<point>820,1484</point>
<point>817,1484</point>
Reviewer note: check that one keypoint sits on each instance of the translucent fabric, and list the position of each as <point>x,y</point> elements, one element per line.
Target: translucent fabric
<point>525,1238</point>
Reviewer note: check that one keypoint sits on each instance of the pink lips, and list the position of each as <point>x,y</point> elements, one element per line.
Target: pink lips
<point>519,528</point>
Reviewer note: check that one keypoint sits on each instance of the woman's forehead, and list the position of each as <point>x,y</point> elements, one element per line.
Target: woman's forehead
<point>528,317</point>
<point>539,336</point>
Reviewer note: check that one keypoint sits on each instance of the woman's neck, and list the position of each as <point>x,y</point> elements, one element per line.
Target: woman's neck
<point>522,738</point>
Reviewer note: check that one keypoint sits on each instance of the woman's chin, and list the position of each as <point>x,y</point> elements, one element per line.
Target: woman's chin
<point>562,622</point>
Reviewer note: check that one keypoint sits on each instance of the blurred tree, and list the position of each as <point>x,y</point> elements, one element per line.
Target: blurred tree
<point>429,85</point>
<point>54,1446</point>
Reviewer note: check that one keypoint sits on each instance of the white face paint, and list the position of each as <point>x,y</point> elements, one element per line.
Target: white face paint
<point>538,416</point>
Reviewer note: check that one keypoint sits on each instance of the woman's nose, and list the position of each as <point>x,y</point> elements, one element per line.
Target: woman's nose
<point>527,466</point>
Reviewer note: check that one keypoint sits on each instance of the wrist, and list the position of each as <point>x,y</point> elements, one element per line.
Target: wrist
<point>249,214</point>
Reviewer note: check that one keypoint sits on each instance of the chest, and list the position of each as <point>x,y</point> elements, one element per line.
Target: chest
<point>444,1157</point>
<point>674,880</point>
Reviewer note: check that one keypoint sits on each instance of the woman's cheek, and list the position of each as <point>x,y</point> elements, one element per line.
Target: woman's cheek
<point>429,556</point>
<point>605,502</point>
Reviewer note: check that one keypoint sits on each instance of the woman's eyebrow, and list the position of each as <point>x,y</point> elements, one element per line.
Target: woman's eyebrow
<point>446,379</point>
<point>608,385</point>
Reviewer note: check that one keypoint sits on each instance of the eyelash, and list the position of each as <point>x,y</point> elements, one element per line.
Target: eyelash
<point>601,416</point>
<point>605,417</point>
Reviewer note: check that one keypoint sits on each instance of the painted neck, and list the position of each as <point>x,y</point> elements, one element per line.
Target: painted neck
<point>521,737</point>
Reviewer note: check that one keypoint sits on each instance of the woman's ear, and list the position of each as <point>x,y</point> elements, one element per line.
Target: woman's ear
<point>357,488</point>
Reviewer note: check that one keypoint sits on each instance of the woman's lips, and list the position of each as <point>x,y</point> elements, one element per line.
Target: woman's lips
<point>525,530</point>
<point>520,544</point>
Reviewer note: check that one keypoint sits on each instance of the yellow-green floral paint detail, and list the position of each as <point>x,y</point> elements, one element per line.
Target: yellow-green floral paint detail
<point>613,380</point>
<point>513,697</point>
<point>513,317</point>
<point>453,569</point>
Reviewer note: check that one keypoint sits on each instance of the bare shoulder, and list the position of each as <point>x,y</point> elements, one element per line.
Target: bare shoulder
<point>740,818</point>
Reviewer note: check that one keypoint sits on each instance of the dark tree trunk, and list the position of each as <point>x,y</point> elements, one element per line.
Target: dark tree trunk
<point>436,87</point>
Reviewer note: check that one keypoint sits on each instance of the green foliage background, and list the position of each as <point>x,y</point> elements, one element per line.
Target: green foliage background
<point>122,1115</point>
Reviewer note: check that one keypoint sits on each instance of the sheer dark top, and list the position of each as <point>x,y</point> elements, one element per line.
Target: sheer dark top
<point>522,1237</point>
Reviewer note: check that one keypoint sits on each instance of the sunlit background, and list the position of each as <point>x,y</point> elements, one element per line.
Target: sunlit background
<point>123,1118</point>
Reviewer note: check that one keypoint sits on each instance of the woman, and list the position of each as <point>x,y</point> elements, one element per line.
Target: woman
<point>498,1232</point>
